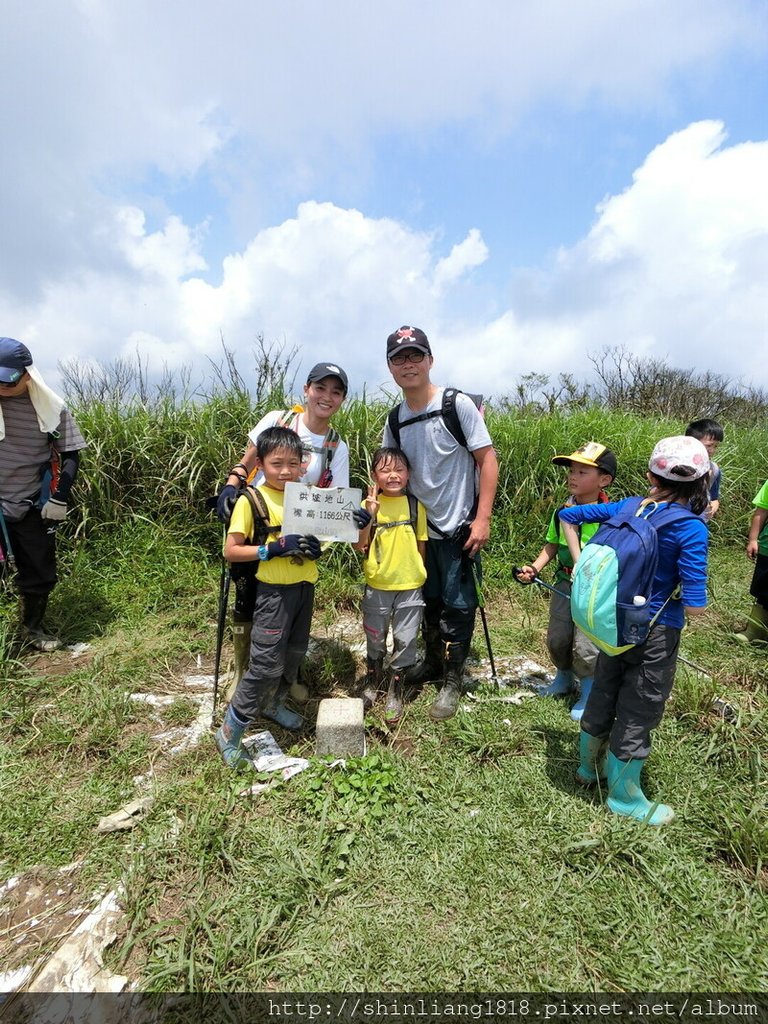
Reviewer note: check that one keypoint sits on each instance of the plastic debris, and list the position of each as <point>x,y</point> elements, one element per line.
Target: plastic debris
<point>128,816</point>
<point>78,965</point>
<point>513,698</point>
<point>725,710</point>
<point>154,700</point>
<point>76,650</point>
<point>268,757</point>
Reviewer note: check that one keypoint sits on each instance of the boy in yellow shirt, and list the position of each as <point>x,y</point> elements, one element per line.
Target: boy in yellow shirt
<point>394,542</point>
<point>287,572</point>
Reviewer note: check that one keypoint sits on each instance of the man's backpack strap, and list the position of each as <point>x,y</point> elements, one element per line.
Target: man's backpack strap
<point>447,412</point>
<point>393,422</point>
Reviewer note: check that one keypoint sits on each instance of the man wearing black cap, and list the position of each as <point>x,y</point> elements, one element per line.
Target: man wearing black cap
<point>40,447</point>
<point>456,483</point>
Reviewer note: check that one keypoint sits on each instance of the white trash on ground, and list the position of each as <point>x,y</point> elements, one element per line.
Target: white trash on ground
<point>268,757</point>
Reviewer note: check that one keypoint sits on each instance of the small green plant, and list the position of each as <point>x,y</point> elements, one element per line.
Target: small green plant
<point>363,788</point>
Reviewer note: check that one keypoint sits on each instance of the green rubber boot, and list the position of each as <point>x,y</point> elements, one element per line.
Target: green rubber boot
<point>590,753</point>
<point>756,629</point>
<point>625,795</point>
<point>229,740</point>
<point>241,653</point>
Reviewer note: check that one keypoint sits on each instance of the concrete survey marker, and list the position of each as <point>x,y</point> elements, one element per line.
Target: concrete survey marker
<point>340,731</point>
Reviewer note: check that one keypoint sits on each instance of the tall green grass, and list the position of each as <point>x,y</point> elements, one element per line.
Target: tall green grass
<point>161,456</point>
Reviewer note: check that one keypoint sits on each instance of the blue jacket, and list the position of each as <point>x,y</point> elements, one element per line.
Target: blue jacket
<point>683,547</point>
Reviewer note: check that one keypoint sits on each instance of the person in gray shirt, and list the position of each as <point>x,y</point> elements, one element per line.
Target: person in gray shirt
<point>456,483</point>
<point>40,447</point>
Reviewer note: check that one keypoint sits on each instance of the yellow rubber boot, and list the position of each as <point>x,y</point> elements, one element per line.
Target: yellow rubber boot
<point>756,629</point>
<point>241,650</point>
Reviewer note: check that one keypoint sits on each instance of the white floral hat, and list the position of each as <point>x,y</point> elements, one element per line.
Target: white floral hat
<point>679,458</point>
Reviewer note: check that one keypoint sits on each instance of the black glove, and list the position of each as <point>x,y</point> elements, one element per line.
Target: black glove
<point>290,545</point>
<point>225,502</point>
<point>310,547</point>
<point>361,517</point>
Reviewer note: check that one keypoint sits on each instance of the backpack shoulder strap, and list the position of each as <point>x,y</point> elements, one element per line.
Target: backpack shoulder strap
<point>330,444</point>
<point>260,513</point>
<point>393,422</point>
<point>413,509</point>
<point>663,515</point>
<point>451,417</point>
<point>288,417</point>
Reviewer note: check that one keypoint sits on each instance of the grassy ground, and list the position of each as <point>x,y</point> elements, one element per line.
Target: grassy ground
<point>460,856</point>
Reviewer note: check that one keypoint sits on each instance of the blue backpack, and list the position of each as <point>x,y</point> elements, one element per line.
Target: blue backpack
<point>617,565</point>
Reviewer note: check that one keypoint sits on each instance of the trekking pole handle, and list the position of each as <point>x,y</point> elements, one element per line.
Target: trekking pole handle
<point>536,579</point>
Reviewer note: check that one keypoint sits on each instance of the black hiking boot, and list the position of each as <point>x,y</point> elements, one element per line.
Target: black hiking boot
<point>32,611</point>
<point>393,709</point>
<point>447,702</point>
<point>373,685</point>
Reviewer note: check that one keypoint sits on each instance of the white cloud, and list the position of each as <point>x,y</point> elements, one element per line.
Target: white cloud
<point>472,252</point>
<point>673,266</point>
<point>289,99</point>
<point>670,269</point>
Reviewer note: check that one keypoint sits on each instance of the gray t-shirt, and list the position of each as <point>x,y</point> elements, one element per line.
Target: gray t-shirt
<point>24,452</point>
<point>443,473</point>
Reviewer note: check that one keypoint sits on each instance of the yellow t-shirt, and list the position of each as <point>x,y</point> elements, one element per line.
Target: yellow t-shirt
<point>283,570</point>
<point>393,561</point>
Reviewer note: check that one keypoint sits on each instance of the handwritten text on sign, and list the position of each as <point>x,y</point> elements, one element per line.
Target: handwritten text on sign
<point>325,512</point>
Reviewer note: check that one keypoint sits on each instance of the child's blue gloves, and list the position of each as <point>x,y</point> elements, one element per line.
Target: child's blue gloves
<point>361,517</point>
<point>295,544</point>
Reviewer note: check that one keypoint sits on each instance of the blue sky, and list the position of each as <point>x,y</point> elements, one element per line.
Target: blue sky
<point>528,183</point>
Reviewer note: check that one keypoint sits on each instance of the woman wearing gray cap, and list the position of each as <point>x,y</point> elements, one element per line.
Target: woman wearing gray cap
<point>327,465</point>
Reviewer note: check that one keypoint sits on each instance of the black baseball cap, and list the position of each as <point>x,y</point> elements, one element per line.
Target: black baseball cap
<point>323,370</point>
<point>15,357</point>
<point>591,454</point>
<point>408,337</point>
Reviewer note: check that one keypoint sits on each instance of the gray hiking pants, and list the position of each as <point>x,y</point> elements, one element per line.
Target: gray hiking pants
<point>279,641</point>
<point>398,610</point>
<point>630,691</point>
<point>568,647</point>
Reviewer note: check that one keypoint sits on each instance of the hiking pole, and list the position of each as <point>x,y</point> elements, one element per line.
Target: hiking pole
<point>226,578</point>
<point>536,579</point>
<point>6,551</point>
<point>483,618</point>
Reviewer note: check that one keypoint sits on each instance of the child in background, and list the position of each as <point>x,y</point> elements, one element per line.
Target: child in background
<point>394,542</point>
<point>591,469</point>
<point>287,573</point>
<point>631,689</point>
<point>756,630</point>
<point>710,433</point>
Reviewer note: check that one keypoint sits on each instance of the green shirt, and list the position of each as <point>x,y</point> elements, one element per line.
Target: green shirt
<point>761,501</point>
<point>555,536</point>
